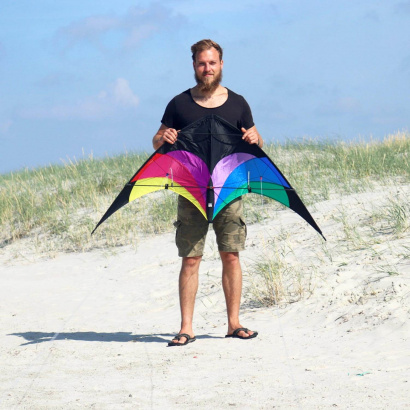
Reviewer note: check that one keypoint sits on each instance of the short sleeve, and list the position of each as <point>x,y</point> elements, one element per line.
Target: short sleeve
<point>247,118</point>
<point>169,115</point>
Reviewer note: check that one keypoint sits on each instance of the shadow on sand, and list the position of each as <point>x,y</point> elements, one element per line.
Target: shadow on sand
<point>122,337</point>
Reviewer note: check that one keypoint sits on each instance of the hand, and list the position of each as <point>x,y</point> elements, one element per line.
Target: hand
<point>251,135</point>
<point>170,135</point>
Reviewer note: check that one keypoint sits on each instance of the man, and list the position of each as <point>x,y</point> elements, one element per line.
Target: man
<point>208,97</point>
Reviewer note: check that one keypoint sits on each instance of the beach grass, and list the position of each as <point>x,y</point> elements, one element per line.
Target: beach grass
<point>277,277</point>
<point>58,206</point>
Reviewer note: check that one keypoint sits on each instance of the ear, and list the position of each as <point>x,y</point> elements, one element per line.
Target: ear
<point>222,64</point>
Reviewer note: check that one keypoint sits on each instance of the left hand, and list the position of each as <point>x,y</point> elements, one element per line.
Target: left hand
<point>251,135</point>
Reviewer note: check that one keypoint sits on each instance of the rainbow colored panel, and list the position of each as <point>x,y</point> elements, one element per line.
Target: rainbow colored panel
<point>211,165</point>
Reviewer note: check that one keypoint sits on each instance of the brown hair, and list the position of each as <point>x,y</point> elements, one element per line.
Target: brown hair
<point>205,45</point>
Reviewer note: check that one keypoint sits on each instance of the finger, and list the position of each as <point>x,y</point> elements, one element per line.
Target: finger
<point>169,137</point>
<point>170,131</point>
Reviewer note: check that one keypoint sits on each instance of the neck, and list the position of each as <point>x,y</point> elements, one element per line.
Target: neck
<point>198,93</point>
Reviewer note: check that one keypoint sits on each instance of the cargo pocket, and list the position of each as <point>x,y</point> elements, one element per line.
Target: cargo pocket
<point>177,225</point>
<point>243,224</point>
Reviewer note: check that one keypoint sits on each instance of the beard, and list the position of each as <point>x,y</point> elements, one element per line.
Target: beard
<point>206,85</point>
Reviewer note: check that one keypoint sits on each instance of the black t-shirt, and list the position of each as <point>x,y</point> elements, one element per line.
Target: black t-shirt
<point>182,110</point>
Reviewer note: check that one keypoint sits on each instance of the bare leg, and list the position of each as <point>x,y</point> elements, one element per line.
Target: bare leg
<point>232,286</point>
<point>188,286</point>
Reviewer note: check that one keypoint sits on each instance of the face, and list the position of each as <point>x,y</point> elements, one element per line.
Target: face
<point>208,69</point>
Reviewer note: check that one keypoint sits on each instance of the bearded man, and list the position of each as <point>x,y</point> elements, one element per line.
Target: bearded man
<point>208,97</point>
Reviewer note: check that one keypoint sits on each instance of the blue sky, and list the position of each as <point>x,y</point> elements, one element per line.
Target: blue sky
<point>94,76</point>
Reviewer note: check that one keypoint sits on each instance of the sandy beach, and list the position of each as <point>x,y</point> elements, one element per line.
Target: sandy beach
<point>90,330</point>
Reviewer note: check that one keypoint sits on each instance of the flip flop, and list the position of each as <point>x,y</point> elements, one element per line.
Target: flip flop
<point>189,339</point>
<point>235,334</point>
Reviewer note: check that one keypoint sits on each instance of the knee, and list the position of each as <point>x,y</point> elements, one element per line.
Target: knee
<point>190,265</point>
<point>230,259</point>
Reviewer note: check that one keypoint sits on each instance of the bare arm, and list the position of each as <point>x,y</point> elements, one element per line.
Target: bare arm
<point>252,136</point>
<point>164,134</point>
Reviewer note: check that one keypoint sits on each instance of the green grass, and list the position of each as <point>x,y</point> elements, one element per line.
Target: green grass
<point>276,277</point>
<point>323,171</point>
<point>317,169</point>
<point>58,206</point>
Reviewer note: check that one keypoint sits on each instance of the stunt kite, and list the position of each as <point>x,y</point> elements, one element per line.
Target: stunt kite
<point>210,165</point>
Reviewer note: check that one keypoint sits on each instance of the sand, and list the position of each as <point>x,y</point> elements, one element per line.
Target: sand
<point>91,330</point>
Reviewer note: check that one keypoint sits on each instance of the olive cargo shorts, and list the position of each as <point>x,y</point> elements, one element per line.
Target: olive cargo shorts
<point>192,227</point>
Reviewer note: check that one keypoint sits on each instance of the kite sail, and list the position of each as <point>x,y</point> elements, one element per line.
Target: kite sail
<point>211,165</point>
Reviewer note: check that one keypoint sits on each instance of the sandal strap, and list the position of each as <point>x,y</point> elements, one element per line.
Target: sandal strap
<point>236,331</point>
<point>179,335</point>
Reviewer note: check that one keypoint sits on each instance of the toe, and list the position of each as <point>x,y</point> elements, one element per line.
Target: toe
<point>242,333</point>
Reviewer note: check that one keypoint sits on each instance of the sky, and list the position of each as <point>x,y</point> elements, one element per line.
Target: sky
<point>93,77</point>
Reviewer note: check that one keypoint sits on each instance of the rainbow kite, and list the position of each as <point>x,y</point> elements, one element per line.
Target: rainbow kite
<point>211,165</point>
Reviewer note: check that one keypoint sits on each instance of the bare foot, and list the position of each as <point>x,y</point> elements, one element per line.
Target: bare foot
<point>179,339</point>
<point>244,333</point>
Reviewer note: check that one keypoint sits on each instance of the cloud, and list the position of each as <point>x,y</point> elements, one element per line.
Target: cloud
<point>128,30</point>
<point>116,100</point>
<point>89,29</point>
<point>123,95</point>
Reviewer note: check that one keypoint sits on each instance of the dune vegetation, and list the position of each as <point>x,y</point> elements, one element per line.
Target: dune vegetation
<point>57,207</point>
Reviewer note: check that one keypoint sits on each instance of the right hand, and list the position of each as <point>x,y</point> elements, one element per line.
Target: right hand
<point>170,135</point>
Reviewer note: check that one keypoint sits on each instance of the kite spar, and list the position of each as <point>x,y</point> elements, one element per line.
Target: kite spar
<point>211,165</point>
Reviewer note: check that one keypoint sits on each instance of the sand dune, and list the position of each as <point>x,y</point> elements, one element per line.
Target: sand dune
<point>91,330</point>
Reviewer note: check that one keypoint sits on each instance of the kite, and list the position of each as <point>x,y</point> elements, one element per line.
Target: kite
<point>210,165</point>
